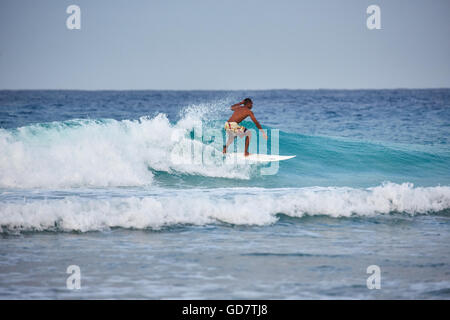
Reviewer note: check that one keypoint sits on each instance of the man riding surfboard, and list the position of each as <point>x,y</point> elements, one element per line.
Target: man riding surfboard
<point>241,110</point>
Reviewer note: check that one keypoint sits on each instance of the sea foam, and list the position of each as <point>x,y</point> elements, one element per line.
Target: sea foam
<point>236,206</point>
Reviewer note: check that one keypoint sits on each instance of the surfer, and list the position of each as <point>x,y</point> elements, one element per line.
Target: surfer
<point>241,110</point>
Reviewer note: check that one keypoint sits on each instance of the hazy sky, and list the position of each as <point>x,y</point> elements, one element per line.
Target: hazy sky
<point>224,44</point>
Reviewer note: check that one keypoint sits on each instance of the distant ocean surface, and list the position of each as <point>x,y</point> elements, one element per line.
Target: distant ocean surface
<point>131,187</point>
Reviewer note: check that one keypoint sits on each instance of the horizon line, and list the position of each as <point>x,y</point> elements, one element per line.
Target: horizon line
<point>272,89</point>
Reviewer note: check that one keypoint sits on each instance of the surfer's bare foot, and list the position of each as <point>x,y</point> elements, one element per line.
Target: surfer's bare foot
<point>247,154</point>
<point>224,150</point>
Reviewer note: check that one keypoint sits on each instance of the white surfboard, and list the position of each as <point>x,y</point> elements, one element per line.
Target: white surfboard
<point>258,157</point>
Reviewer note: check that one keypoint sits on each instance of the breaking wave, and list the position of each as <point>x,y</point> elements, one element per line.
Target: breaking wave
<point>236,206</point>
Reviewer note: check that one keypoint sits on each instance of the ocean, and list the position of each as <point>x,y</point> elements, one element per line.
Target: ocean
<point>131,189</point>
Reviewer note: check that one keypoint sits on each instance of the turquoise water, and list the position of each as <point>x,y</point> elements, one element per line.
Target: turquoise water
<point>132,187</point>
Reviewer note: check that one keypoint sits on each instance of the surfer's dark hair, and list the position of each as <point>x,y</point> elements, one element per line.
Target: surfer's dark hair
<point>247,100</point>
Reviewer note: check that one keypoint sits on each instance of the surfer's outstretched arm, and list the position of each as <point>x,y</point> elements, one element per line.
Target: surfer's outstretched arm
<point>252,116</point>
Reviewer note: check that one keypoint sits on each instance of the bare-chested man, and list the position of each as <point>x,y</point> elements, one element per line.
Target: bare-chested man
<point>241,110</point>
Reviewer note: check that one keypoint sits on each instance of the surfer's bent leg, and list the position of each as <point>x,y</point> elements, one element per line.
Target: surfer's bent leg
<point>248,136</point>
<point>231,137</point>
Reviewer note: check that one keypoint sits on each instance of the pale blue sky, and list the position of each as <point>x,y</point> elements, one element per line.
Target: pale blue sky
<point>228,44</point>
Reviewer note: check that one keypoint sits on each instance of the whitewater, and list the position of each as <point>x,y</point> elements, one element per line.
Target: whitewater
<point>201,207</point>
